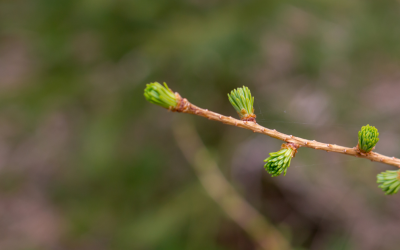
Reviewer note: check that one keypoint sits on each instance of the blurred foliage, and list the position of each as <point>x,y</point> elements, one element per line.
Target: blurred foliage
<point>78,137</point>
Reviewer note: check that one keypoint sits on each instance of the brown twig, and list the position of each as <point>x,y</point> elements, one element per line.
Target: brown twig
<point>266,236</point>
<point>185,106</point>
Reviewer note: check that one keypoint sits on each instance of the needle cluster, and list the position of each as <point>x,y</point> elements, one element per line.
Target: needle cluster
<point>367,138</point>
<point>389,181</point>
<point>243,102</point>
<point>278,162</point>
<point>160,95</point>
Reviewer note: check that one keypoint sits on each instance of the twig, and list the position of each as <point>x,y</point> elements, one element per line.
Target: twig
<point>185,106</point>
<point>219,189</point>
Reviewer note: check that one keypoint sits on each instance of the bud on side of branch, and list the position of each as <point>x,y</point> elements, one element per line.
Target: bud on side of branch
<point>278,162</point>
<point>243,102</point>
<point>389,181</point>
<point>367,138</point>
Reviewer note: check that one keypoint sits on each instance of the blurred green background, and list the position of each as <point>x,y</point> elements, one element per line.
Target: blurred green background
<point>87,163</point>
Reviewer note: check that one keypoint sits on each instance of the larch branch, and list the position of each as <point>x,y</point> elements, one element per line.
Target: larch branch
<point>185,106</point>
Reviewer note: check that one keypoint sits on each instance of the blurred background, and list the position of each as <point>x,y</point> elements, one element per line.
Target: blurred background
<point>87,163</point>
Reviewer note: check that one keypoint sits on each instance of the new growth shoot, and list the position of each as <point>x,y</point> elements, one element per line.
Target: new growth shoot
<point>242,101</point>
<point>367,138</point>
<point>160,95</point>
<point>278,162</point>
<point>389,181</point>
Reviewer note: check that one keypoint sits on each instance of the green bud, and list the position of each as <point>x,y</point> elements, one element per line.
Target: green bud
<point>389,181</point>
<point>160,95</point>
<point>278,162</point>
<point>367,138</point>
<point>242,101</point>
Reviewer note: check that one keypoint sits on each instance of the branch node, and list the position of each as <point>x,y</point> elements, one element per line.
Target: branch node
<point>361,152</point>
<point>291,145</point>
<point>183,104</point>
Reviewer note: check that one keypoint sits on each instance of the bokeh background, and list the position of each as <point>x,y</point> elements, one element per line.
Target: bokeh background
<point>87,163</point>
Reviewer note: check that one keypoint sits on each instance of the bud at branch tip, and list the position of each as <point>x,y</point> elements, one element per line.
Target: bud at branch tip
<point>160,95</point>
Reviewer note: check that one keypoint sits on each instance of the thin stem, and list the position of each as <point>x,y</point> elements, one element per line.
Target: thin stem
<point>266,236</point>
<point>185,106</point>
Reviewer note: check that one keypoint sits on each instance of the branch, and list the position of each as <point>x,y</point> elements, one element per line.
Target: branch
<point>278,162</point>
<point>218,188</point>
<point>184,106</point>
